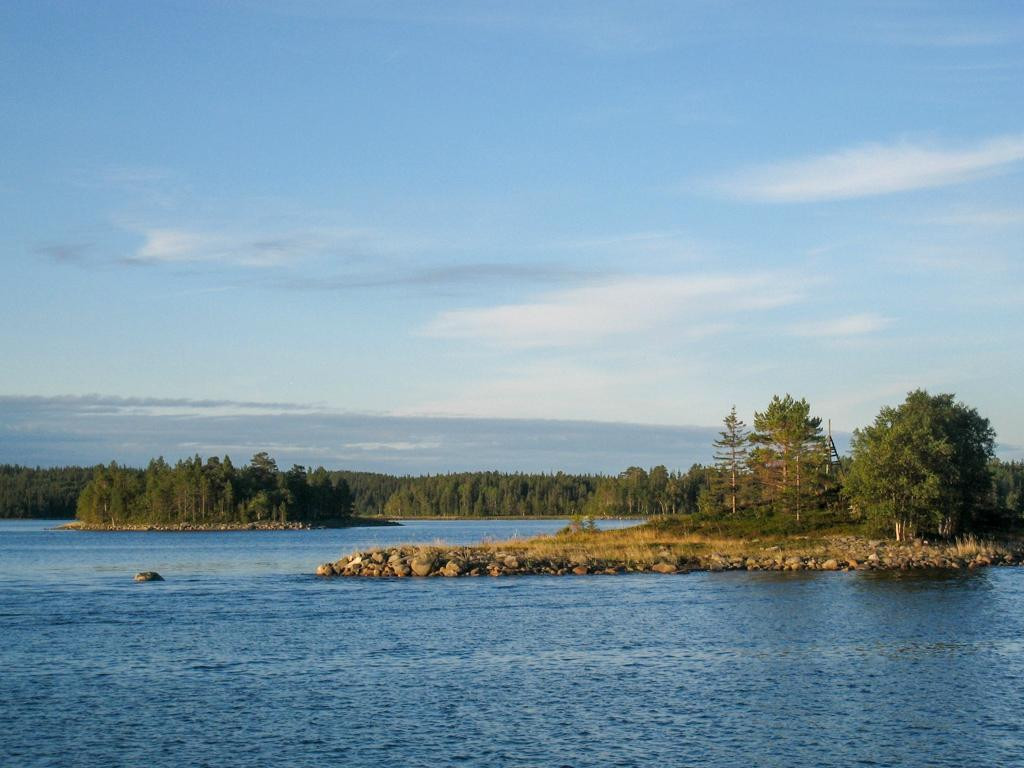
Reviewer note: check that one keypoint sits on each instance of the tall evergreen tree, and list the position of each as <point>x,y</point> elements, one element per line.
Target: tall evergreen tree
<point>731,454</point>
<point>789,454</point>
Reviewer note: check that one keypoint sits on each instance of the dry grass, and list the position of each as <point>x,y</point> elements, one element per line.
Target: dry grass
<point>650,543</point>
<point>635,545</point>
<point>969,546</point>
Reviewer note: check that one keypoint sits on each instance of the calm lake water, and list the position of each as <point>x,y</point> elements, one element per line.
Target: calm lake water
<point>243,658</point>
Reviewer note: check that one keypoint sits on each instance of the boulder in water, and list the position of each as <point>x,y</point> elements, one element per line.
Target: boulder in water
<point>148,576</point>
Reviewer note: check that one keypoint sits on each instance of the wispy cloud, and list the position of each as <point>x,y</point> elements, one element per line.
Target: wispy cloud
<point>65,253</point>
<point>168,245</point>
<point>849,325</point>
<point>164,245</point>
<point>401,445</point>
<point>872,169</point>
<point>91,405</point>
<point>614,307</point>
<point>315,258</point>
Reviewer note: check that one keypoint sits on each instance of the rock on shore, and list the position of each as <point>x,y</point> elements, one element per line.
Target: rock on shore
<point>836,554</point>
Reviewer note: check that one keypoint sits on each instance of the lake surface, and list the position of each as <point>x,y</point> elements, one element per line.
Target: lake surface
<point>243,658</point>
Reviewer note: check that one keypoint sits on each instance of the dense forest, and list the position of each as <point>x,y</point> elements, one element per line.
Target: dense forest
<point>1008,492</point>
<point>213,492</point>
<point>634,492</point>
<point>925,466</point>
<point>41,493</point>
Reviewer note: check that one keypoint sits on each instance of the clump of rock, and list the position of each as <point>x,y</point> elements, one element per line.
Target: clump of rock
<point>840,553</point>
<point>148,576</point>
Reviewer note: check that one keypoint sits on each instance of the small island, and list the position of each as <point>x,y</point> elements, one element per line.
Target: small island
<point>194,495</point>
<point>668,547</point>
<point>921,490</point>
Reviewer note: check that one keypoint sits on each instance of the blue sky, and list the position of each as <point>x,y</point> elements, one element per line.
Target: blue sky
<point>630,213</point>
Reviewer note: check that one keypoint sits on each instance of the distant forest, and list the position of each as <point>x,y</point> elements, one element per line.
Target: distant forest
<point>634,492</point>
<point>35,492</point>
<point>924,467</point>
<point>215,491</point>
<point>196,490</point>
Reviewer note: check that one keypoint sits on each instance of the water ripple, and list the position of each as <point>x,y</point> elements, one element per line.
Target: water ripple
<point>264,665</point>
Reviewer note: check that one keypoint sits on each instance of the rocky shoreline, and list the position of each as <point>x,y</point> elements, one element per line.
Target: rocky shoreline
<point>836,554</point>
<point>351,522</point>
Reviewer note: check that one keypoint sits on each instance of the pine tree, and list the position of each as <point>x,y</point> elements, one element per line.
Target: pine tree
<point>731,453</point>
<point>789,453</point>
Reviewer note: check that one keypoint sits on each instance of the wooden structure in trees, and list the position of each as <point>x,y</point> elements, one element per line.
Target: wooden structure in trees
<point>831,454</point>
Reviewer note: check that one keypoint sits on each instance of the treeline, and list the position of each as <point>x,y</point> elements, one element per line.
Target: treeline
<point>41,493</point>
<point>490,494</point>
<point>635,492</point>
<point>215,491</point>
<point>925,467</point>
<point>212,492</point>
<point>1008,492</point>
<point>370,490</point>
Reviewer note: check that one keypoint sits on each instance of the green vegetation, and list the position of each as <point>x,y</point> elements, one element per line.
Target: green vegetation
<point>777,499</point>
<point>781,475</point>
<point>1007,494</point>
<point>213,492</point>
<point>198,491</point>
<point>633,493</point>
<point>40,493</point>
<point>924,468</point>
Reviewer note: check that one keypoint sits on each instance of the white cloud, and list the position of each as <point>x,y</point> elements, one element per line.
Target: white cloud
<point>696,305</point>
<point>872,169</point>
<point>403,445</point>
<point>850,325</point>
<point>168,245</point>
